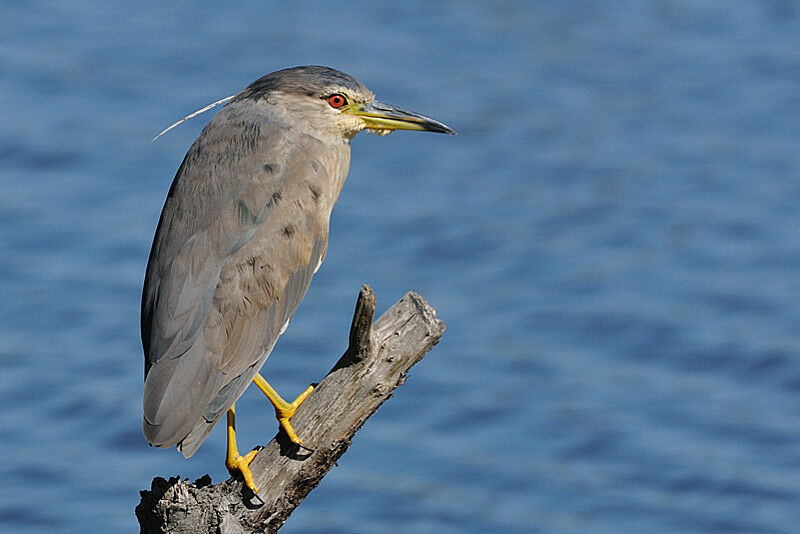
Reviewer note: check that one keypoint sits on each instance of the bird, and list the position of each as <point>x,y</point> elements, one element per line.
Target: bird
<point>243,229</point>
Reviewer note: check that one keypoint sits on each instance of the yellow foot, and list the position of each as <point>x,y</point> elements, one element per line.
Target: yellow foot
<point>286,411</point>
<point>283,410</point>
<point>237,462</point>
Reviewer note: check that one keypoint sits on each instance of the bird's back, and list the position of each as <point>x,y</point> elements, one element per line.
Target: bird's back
<point>243,230</point>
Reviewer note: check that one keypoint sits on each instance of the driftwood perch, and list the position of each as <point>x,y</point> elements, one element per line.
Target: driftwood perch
<point>372,367</point>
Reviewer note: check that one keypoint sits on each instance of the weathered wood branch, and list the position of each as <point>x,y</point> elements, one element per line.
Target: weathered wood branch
<point>372,367</point>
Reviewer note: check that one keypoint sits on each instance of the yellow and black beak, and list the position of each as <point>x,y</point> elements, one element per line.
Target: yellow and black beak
<point>383,117</point>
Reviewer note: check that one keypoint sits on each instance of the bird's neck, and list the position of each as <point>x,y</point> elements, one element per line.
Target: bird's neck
<point>338,166</point>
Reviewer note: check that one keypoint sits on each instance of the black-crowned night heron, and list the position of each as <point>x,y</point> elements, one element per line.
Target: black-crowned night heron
<point>243,230</point>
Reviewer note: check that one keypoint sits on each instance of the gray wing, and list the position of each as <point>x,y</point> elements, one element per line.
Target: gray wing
<point>239,239</point>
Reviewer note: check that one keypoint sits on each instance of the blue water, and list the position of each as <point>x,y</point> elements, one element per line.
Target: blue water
<point>612,240</point>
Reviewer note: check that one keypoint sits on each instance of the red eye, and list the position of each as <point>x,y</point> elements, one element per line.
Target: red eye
<point>336,101</point>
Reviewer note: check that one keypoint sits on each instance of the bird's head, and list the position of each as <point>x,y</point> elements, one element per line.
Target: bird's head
<point>329,100</point>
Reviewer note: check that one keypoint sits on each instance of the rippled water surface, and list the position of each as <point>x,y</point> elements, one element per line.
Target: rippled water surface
<point>612,240</point>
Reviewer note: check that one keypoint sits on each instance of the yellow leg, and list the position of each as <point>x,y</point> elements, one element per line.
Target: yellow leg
<point>235,461</point>
<point>283,410</point>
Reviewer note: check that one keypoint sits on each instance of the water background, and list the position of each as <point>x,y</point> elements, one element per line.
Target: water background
<point>613,240</point>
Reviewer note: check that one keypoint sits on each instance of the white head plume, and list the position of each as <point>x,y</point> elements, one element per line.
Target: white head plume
<point>196,113</point>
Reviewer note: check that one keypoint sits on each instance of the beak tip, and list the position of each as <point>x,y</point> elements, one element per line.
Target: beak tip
<point>439,127</point>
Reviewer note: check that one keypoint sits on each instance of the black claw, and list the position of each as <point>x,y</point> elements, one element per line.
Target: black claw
<point>301,446</point>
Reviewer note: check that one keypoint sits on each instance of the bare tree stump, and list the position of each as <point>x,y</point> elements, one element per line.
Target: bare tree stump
<point>372,367</point>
